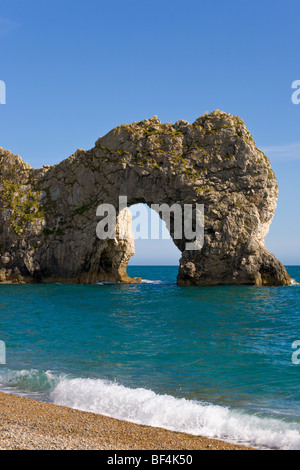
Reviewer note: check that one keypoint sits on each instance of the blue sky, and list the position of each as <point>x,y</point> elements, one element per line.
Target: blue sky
<point>75,69</point>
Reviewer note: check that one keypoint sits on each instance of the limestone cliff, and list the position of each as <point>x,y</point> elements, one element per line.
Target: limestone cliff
<point>48,216</point>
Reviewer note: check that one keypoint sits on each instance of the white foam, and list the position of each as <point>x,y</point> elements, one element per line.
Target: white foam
<point>143,406</point>
<point>147,281</point>
<point>146,407</point>
<point>105,283</point>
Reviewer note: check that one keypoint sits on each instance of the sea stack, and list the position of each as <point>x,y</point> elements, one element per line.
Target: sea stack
<point>48,216</point>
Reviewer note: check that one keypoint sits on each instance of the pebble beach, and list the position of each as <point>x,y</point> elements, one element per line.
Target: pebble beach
<point>26,424</point>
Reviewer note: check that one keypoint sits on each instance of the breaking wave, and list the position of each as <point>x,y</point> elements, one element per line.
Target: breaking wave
<point>146,407</point>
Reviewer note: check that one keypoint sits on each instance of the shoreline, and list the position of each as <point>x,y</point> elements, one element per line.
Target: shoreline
<point>26,424</point>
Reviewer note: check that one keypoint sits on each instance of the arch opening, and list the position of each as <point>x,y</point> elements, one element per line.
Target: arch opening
<point>153,243</point>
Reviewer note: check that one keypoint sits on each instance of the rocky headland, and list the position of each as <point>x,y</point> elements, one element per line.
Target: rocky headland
<point>48,216</point>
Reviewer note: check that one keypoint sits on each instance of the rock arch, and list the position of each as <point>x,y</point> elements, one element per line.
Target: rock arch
<point>48,215</point>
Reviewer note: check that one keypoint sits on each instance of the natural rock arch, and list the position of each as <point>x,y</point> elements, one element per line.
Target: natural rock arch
<point>48,216</point>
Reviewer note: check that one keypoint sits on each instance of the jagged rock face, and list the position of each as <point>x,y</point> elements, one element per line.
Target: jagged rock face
<point>48,216</point>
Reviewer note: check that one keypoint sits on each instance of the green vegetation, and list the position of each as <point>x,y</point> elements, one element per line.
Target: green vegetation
<point>82,209</point>
<point>24,205</point>
<point>162,132</point>
<point>192,173</point>
<point>48,232</point>
<point>271,175</point>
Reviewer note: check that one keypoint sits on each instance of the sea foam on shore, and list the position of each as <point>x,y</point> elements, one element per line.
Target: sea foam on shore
<point>27,424</point>
<point>141,406</point>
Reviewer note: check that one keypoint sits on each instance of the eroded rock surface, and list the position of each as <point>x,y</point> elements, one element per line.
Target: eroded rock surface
<point>48,216</point>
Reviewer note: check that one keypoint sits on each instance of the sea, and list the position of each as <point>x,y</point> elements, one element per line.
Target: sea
<point>220,362</point>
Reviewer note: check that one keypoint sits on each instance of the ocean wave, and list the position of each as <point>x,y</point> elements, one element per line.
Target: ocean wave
<point>147,281</point>
<point>146,407</point>
<point>29,380</point>
<point>143,406</point>
<point>106,283</point>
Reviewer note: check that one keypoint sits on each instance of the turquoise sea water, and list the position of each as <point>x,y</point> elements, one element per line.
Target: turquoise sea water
<point>210,361</point>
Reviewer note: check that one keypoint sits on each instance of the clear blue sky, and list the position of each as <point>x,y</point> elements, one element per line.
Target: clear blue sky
<point>75,69</point>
